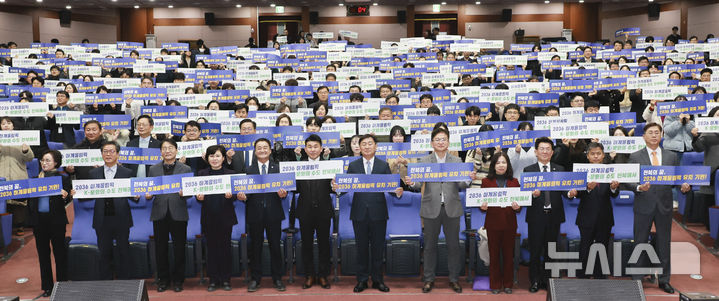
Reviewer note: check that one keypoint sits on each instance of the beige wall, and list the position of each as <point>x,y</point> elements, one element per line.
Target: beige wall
<point>517,9</point>
<point>340,11</point>
<point>505,31</point>
<point>660,27</point>
<point>213,36</point>
<point>96,33</point>
<point>368,33</point>
<point>702,20</point>
<point>191,12</point>
<point>16,28</point>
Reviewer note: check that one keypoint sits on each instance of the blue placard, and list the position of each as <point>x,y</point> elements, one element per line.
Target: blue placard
<point>210,59</point>
<point>631,31</point>
<point>241,142</point>
<point>164,112</point>
<point>293,48</point>
<point>5,53</point>
<point>281,63</point>
<point>129,45</point>
<point>145,93</point>
<point>686,70</point>
<point>440,172</point>
<point>700,97</point>
<point>365,61</point>
<point>571,85</point>
<point>109,122</point>
<point>669,108</point>
<point>223,50</point>
<point>481,140</point>
<point>343,97</point>
<point>271,182</point>
<point>610,84</point>
<point>214,75</point>
<point>333,86</point>
<point>112,63</point>
<point>523,138</point>
<point>547,181</point>
<point>176,46</point>
<point>22,72</point>
<point>580,73</point>
<point>675,175</point>
<point>311,66</point>
<point>139,155</point>
<point>30,188</point>
<point>689,83</point>
<point>397,110</point>
<point>229,96</point>
<point>264,57</point>
<point>396,84</point>
<point>427,122</point>
<point>506,125</point>
<point>461,107</point>
<point>367,183</point>
<point>291,91</point>
<point>394,150</point>
<point>277,131</point>
<point>348,160</point>
<point>474,69</point>
<point>104,99</point>
<point>537,100</point>
<point>314,55</point>
<point>514,75</point>
<point>38,94</point>
<point>403,73</point>
<point>521,47</point>
<point>89,87</point>
<point>170,65</point>
<point>391,65</point>
<point>556,65</point>
<point>329,139</point>
<point>158,185</point>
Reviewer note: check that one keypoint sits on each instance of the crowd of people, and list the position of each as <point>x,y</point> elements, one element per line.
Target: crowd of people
<point>357,79</point>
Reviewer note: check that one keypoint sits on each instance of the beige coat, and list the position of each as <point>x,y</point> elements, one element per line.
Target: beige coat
<point>12,162</point>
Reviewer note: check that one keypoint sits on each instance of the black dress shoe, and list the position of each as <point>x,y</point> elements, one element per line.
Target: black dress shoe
<point>226,286</point>
<point>309,281</point>
<point>534,287</point>
<point>455,287</point>
<point>253,286</point>
<point>667,288</point>
<point>212,287</point>
<point>47,293</point>
<point>178,288</point>
<point>161,288</point>
<point>427,287</point>
<point>507,290</point>
<point>361,286</point>
<point>379,285</point>
<point>495,291</point>
<point>324,283</point>
<point>280,286</point>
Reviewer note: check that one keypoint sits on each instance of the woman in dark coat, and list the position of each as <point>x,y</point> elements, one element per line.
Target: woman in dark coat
<point>217,218</point>
<point>48,218</point>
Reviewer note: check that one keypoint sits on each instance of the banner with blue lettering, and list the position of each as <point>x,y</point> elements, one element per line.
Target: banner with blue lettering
<point>537,100</point>
<point>347,160</point>
<point>521,47</point>
<point>30,188</point>
<point>402,73</point>
<point>367,183</point>
<point>145,93</point>
<point>139,155</point>
<point>513,75</point>
<point>544,181</point>
<point>580,73</point>
<point>291,92</point>
<point>271,182</point>
<point>229,96</point>
<point>394,150</point>
<point>176,46</point>
<point>165,112</point>
<point>109,122</point>
<point>461,107</point>
<point>675,175</point>
<point>329,139</point>
<point>158,185</point>
<point>214,75</point>
<point>129,45</point>
<point>631,31</point>
<point>427,122</point>
<point>396,84</point>
<point>211,59</point>
<point>241,142</point>
<point>440,172</point>
<point>564,86</point>
<point>610,84</point>
<point>522,138</point>
<point>481,140</point>
<point>668,108</point>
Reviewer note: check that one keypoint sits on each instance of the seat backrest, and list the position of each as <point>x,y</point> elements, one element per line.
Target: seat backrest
<point>625,198</point>
<point>79,136</point>
<point>286,201</point>
<point>716,188</point>
<point>82,231</point>
<point>241,227</point>
<point>194,211</point>
<point>33,168</point>
<point>404,220</point>
<point>55,145</point>
<point>142,226</point>
<point>345,224</point>
<point>692,158</point>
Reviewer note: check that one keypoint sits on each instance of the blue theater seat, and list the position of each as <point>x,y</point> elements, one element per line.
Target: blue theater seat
<point>33,168</point>
<point>193,247</point>
<point>623,230</point>
<point>477,222</point>
<point>346,236</point>
<point>79,136</point>
<point>55,145</point>
<point>686,200</point>
<point>569,232</point>
<point>139,239</point>
<point>5,226</point>
<point>404,233</point>
<point>239,241</point>
<point>83,254</point>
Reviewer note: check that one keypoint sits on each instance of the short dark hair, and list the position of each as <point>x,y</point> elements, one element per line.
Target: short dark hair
<point>592,145</point>
<point>591,104</point>
<point>368,136</point>
<point>283,115</point>
<point>651,125</point>
<point>246,120</point>
<point>439,130</point>
<point>63,92</point>
<point>192,123</point>
<point>149,119</point>
<point>434,109</point>
<point>113,143</point>
<point>314,138</point>
<point>543,140</point>
<point>360,97</point>
<point>56,156</point>
<point>262,140</point>
<point>473,110</point>
<point>213,149</point>
<point>509,174</point>
<point>426,96</point>
<point>99,125</point>
<point>170,141</point>
<point>315,120</point>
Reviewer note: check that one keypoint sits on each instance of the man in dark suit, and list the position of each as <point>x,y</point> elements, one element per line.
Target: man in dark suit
<point>595,217</point>
<point>169,216</point>
<point>241,161</point>
<point>264,214</point>
<point>315,211</point>
<point>653,203</point>
<point>144,126</point>
<point>369,217</point>
<point>112,218</point>
<point>544,216</point>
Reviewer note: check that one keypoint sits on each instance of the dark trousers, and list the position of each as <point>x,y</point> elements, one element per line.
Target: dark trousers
<point>273,232</point>
<point>369,236</point>
<point>308,227</point>
<point>45,234</point>
<point>540,235</point>
<point>163,229</point>
<point>112,229</point>
<point>501,258</point>
<point>663,239</point>
<point>219,252</point>
<point>588,236</point>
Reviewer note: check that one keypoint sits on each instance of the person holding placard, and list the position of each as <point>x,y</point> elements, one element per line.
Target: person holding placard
<point>501,225</point>
<point>93,140</point>
<point>48,218</point>
<point>708,143</point>
<point>240,161</point>
<point>653,203</point>
<point>441,209</point>
<point>595,217</point>
<point>13,167</point>
<point>217,219</point>
<point>544,216</point>
<point>169,216</point>
<point>112,218</point>
<point>64,133</point>
<point>144,125</point>
<point>315,211</point>
<point>264,215</point>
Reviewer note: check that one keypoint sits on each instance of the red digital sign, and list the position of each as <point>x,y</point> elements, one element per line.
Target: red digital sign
<point>358,10</point>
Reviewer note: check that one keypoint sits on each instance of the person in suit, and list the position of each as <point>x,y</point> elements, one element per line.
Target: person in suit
<point>441,208</point>
<point>544,216</point>
<point>264,213</point>
<point>217,218</point>
<point>64,133</point>
<point>595,217</point>
<point>241,161</point>
<point>369,217</point>
<point>48,218</point>
<point>93,140</point>
<point>112,218</point>
<point>653,203</point>
<point>315,211</point>
<point>144,126</point>
<point>169,217</point>
<point>501,225</point>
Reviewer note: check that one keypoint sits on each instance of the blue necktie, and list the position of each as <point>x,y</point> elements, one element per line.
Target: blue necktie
<point>43,204</point>
<point>368,169</point>
<point>264,169</point>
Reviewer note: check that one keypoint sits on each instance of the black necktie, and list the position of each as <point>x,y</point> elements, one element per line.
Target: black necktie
<point>547,200</point>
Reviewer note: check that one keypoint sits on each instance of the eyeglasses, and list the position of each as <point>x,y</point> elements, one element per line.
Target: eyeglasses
<point>440,139</point>
<point>109,151</point>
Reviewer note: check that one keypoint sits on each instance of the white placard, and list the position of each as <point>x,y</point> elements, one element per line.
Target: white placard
<point>346,129</point>
<point>622,144</point>
<point>494,96</point>
<point>707,124</point>
<point>163,126</point>
<point>106,188</point>
<point>9,78</point>
<point>447,78</point>
<point>646,82</point>
<point>323,35</point>
<point>148,68</point>
<point>191,100</point>
<point>364,84</point>
<point>121,83</point>
<point>269,118</point>
<point>75,98</point>
<point>67,117</point>
<point>497,197</point>
<point>515,60</point>
<point>382,127</point>
<point>257,75</point>
<point>546,122</point>
<point>606,173</point>
<point>305,170</point>
<point>95,71</point>
<point>23,109</point>
<point>332,47</point>
<point>210,115</point>
<point>665,93</point>
<point>349,34</point>
<point>81,157</point>
<point>354,109</point>
<point>338,56</point>
<point>29,137</point>
<point>194,149</point>
<point>175,88</point>
<point>491,44</point>
<point>586,130</point>
<point>206,185</point>
<point>465,47</point>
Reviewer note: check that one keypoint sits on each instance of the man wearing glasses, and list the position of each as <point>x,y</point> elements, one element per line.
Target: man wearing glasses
<point>144,126</point>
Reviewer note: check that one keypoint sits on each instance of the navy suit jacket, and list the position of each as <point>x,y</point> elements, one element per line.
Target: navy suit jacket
<point>264,207</point>
<point>369,205</point>
<point>535,213</point>
<point>122,207</point>
<point>135,142</point>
